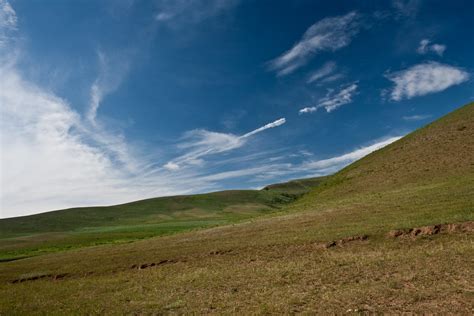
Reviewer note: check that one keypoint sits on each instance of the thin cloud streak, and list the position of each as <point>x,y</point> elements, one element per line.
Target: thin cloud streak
<point>418,117</point>
<point>327,69</point>
<point>179,13</point>
<point>267,126</point>
<point>201,143</point>
<point>112,70</point>
<point>328,34</point>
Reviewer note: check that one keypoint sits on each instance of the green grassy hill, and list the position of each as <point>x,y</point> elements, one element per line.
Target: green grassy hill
<point>79,227</point>
<point>332,251</point>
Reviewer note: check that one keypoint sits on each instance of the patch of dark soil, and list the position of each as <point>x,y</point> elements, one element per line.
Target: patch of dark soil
<point>220,252</point>
<point>432,230</point>
<point>53,277</point>
<point>152,264</point>
<point>340,242</point>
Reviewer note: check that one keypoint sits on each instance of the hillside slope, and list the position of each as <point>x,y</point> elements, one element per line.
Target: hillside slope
<point>440,150</point>
<point>331,252</point>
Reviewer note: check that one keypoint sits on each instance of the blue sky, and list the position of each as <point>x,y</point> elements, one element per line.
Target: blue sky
<point>105,102</point>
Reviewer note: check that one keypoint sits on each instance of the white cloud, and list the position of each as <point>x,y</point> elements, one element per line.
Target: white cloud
<point>309,109</point>
<point>419,117</point>
<point>425,47</point>
<point>267,126</point>
<point>322,72</point>
<point>334,100</point>
<point>171,166</point>
<point>328,34</point>
<point>46,162</point>
<point>424,79</point>
<point>344,96</point>
<point>112,70</point>
<point>200,143</point>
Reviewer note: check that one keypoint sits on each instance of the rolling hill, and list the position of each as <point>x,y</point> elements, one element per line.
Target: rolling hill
<point>390,233</point>
<point>80,227</point>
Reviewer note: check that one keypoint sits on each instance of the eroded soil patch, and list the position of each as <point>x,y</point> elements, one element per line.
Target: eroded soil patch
<point>432,230</point>
<point>346,240</point>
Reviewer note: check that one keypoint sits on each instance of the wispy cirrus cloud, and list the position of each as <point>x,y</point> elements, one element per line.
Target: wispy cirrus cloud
<point>425,78</point>
<point>324,72</point>
<point>328,34</point>
<point>406,8</point>
<point>200,143</point>
<point>333,99</point>
<point>332,164</point>
<point>185,12</point>
<point>326,166</point>
<point>426,47</point>
<point>8,23</point>
<point>112,69</point>
<point>416,117</point>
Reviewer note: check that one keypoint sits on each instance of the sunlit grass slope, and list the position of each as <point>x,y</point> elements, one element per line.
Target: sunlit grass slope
<point>282,264</point>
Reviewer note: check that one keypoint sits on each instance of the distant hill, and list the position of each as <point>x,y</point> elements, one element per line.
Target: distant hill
<point>77,227</point>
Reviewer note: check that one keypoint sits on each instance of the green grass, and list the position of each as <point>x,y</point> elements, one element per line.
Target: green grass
<point>277,263</point>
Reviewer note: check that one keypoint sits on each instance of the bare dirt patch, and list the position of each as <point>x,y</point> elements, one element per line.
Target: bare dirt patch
<point>340,242</point>
<point>432,230</point>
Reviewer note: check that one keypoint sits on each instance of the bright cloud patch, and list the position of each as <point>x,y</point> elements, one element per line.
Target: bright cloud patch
<point>45,155</point>
<point>424,79</point>
<point>334,100</point>
<point>308,109</point>
<point>426,47</point>
<point>329,34</point>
